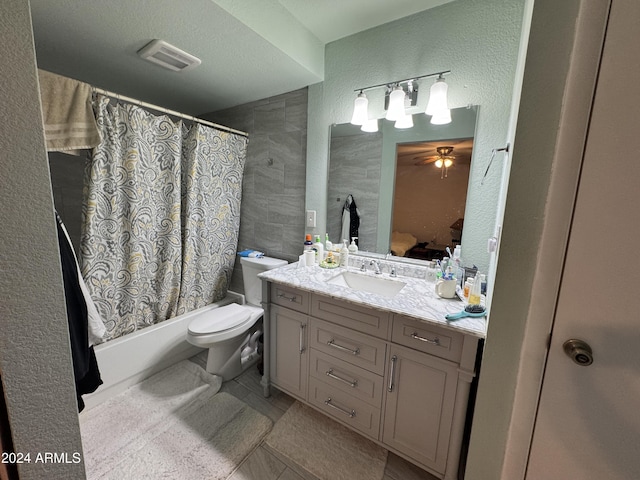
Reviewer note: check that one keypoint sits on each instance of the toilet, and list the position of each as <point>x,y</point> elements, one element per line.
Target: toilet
<point>225,330</point>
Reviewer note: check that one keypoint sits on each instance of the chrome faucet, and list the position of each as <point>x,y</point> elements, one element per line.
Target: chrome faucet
<point>377,265</point>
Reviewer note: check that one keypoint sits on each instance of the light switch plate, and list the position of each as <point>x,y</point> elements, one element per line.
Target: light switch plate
<point>311,218</point>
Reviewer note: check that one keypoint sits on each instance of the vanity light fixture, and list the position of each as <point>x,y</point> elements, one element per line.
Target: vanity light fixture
<point>438,107</point>
<point>360,109</point>
<point>402,94</point>
<point>396,104</point>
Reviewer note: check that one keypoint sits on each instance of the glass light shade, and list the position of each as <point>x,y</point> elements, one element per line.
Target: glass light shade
<point>437,98</point>
<point>370,125</point>
<point>447,163</point>
<point>442,118</point>
<point>396,104</point>
<point>360,110</point>
<point>439,163</point>
<point>405,121</point>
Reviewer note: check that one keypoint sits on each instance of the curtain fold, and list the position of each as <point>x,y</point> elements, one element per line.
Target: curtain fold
<point>131,245</point>
<point>212,167</point>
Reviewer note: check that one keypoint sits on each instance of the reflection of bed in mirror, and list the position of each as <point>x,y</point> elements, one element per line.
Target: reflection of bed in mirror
<point>404,244</point>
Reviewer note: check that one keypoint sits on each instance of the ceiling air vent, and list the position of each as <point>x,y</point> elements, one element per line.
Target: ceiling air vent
<point>168,56</point>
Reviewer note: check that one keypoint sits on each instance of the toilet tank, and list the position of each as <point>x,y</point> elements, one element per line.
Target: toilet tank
<point>251,267</point>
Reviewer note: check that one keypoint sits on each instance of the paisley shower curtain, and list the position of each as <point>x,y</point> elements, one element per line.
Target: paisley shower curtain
<point>212,166</point>
<point>160,216</point>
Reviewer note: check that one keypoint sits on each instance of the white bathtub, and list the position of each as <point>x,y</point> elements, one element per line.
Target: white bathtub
<point>128,360</point>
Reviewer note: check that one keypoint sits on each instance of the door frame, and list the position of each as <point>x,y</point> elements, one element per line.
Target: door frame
<point>553,120</point>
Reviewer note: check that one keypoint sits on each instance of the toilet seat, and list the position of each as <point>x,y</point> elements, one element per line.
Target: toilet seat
<point>219,320</point>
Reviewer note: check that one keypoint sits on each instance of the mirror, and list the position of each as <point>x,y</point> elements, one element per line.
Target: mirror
<point>368,165</point>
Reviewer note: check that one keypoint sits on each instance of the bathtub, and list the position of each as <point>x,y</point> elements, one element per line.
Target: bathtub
<point>128,360</point>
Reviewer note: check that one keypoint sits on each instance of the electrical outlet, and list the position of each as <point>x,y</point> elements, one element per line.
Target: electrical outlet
<point>311,218</point>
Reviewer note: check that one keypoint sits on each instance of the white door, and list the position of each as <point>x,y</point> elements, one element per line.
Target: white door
<point>588,423</point>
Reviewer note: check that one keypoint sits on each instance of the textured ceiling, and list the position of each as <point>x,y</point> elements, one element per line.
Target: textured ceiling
<point>250,50</point>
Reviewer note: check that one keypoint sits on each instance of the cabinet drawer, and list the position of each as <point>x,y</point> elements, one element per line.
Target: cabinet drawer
<point>427,338</point>
<point>345,408</point>
<point>352,380</point>
<point>290,297</point>
<point>363,319</point>
<point>352,347</point>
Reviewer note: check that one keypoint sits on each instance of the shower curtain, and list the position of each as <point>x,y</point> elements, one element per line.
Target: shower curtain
<point>160,216</point>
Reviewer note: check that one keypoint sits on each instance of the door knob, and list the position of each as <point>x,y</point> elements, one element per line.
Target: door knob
<point>579,351</point>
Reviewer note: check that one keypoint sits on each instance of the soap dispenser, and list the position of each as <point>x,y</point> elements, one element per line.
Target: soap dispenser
<point>327,243</point>
<point>353,248</point>
<point>344,254</point>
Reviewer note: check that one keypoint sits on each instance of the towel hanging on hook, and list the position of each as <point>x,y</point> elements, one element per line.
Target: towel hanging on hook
<point>493,154</point>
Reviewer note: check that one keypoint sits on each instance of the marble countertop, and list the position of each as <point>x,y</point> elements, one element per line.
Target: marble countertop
<point>417,299</point>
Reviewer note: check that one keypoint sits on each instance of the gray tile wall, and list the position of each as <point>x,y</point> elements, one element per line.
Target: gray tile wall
<point>67,172</point>
<point>355,169</point>
<point>273,190</point>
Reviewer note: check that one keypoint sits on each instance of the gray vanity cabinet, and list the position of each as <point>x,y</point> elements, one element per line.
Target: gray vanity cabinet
<point>421,392</point>
<point>402,382</point>
<point>289,355</point>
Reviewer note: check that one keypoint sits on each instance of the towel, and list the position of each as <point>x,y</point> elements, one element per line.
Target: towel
<point>69,121</point>
<point>350,220</point>
<point>96,328</point>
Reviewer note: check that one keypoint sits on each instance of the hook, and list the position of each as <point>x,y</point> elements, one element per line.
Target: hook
<point>493,154</point>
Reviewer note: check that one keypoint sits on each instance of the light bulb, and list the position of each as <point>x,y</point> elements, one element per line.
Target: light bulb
<point>447,162</point>
<point>437,98</point>
<point>439,163</point>
<point>405,121</point>
<point>370,125</point>
<point>396,104</point>
<point>442,118</point>
<point>360,110</point>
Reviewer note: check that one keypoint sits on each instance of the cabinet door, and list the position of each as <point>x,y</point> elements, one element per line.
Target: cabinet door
<point>420,393</point>
<point>289,352</point>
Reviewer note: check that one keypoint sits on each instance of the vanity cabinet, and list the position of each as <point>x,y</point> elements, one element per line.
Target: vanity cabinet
<point>401,382</point>
<point>418,414</point>
<point>289,355</point>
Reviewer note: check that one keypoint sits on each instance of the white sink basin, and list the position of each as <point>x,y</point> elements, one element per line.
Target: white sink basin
<point>384,287</point>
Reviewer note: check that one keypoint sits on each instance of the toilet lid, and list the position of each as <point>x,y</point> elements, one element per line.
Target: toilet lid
<point>219,319</point>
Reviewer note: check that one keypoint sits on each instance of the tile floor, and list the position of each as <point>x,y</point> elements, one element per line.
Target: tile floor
<point>265,464</point>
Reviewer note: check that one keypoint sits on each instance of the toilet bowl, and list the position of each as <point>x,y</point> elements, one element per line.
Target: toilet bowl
<point>228,332</point>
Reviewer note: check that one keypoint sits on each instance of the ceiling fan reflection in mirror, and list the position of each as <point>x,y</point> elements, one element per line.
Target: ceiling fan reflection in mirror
<point>443,160</point>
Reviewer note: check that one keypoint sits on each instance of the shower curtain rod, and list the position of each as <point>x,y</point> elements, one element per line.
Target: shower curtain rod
<point>117,96</point>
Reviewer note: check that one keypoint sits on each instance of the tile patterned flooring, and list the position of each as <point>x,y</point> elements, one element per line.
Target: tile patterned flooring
<point>265,464</point>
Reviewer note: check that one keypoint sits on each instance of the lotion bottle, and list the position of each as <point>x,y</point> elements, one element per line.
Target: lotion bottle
<point>344,254</point>
<point>319,248</point>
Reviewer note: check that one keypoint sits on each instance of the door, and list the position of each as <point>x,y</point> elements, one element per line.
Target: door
<point>421,392</point>
<point>588,422</point>
<point>289,353</point>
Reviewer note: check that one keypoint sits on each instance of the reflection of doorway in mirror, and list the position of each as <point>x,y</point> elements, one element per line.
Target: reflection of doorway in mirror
<point>430,193</point>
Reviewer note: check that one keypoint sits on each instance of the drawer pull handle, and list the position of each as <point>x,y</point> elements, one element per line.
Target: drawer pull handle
<point>392,375</point>
<point>348,413</point>
<point>435,341</point>
<point>352,384</point>
<point>291,299</point>
<point>302,327</point>
<point>331,343</point>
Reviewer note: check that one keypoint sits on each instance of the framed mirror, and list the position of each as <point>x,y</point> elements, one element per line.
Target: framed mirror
<point>378,171</point>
